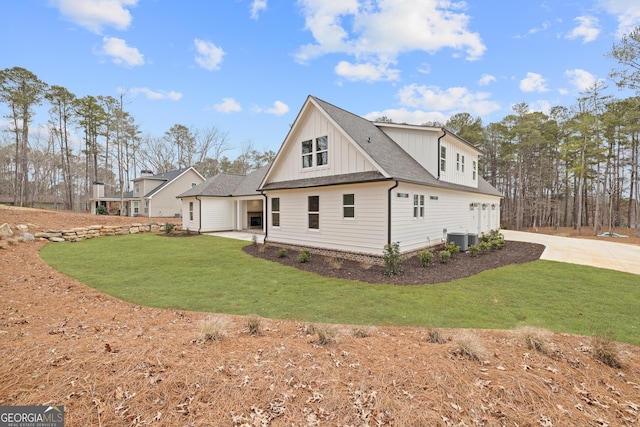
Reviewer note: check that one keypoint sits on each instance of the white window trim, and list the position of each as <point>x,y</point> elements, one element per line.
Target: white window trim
<point>349,218</point>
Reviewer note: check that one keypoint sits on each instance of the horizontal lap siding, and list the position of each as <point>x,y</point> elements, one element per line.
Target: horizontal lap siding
<point>364,234</point>
<point>218,214</point>
<point>194,224</point>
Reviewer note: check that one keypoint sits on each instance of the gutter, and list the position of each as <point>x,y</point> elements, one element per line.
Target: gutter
<point>389,212</point>
<point>199,214</point>
<point>439,145</point>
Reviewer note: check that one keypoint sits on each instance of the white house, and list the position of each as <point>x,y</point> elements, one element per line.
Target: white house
<point>341,182</point>
<point>153,195</point>
<point>225,202</point>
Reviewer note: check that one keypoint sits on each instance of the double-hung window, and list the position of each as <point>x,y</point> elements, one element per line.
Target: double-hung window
<point>307,154</point>
<point>462,164</point>
<point>458,162</point>
<point>275,212</point>
<point>314,212</point>
<point>190,211</point>
<point>474,169</point>
<point>418,206</point>
<point>348,206</point>
<point>322,151</point>
<point>443,158</point>
<point>318,153</point>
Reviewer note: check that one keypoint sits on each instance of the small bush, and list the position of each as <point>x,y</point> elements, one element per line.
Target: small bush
<point>452,248</point>
<point>535,338</point>
<point>435,336</point>
<point>102,210</point>
<point>254,239</point>
<point>605,351</point>
<point>425,257</point>
<point>392,259</point>
<point>445,256</point>
<point>168,228</point>
<point>254,324</point>
<point>361,332</point>
<point>326,334</point>
<point>468,346</point>
<point>213,328</point>
<point>474,250</point>
<point>484,247</point>
<point>303,256</point>
<point>282,252</point>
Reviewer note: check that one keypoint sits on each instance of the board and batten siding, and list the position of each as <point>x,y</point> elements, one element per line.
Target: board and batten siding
<point>421,145</point>
<point>366,233</point>
<point>343,157</point>
<point>443,210</point>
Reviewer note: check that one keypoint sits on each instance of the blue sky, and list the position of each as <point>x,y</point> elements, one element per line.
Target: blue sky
<point>246,66</point>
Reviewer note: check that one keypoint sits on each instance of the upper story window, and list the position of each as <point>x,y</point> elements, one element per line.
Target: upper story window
<point>458,162</point>
<point>462,164</point>
<point>474,169</point>
<point>319,151</point>
<point>193,184</point>
<point>443,158</point>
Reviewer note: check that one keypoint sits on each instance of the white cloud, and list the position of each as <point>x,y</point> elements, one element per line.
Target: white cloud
<point>587,29</point>
<point>377,31</point>
<point>402,115</point>
<point>454,99</point>
<point>580,79</point>
<point>155,95</point>
<point>121,53</point>
<point>627,12</point>
<point>486,79</point>
<point>257,6</point>
<point>209,55</point>
<point>96,14</point>
<point>533,83</point>
<point>228,105</point>
<point>279,108</point>
<point>368,72</point>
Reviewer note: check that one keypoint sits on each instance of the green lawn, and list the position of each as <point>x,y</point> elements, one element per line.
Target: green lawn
<point>212,274</point>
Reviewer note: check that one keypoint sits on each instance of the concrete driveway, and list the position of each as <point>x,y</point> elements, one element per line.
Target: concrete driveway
<point>596,253</point>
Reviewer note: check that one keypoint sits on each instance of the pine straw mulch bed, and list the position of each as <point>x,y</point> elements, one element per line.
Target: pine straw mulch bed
<point>111,363</point>
<point>413,273</point>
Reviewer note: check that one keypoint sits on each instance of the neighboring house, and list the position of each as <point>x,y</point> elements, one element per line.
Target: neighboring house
<point>341,182</point>
<point>152,195</point>
<point>224,202</point>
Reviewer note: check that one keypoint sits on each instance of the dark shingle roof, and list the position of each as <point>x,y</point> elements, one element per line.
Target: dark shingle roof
<point>227,184</point>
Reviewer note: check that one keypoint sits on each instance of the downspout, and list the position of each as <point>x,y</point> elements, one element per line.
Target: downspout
<point>439,144</point>
<point>389,212</point>
<point>264,212</point>
<point>199,214</point>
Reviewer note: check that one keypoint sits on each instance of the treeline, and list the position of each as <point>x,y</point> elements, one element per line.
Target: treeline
<point>92,138</point>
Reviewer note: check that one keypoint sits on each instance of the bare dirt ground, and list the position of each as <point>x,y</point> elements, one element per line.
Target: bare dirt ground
<point>111,363</point>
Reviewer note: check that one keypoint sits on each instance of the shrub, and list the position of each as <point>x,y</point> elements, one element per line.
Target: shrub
<point>485,247</point>
<point>445,256</point>
<point>254,239</point>
<point>326,334</point>
<point>168,228</point>
<point>254,324</point>
<point>535,338</point>
<point>474,250</point>
<point>435,336</point>
<point>213,328</point>
<point>361,332</point>
<point>425,257</point>
<point>282,252</point>
<point>303,256</point>
<point>392,259</point>
<point>102,210</point>
<point>605,351</point>
<point>468,346</point>
<point>452,248</point>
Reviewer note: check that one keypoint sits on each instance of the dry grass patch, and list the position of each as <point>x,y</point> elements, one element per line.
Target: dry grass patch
<point>435,336</point>
<point>333,262</point>
<point>606,351</point>
<point>361,331</point>
<point>254,324</point>
<point>535,338</point>
<point>469,346</point>
<point>213,328</point>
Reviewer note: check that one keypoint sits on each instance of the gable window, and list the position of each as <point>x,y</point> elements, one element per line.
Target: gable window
<point>348,206</point>
<point>190,211</point>
<point>275,212</point>
<point>193,184</point>
<point>314,212</point>
<point>458,162</point>
<point>474,169</point>
<point>443,158</point>
<point>307,154</point>
<point>418,206</point>
<point>322,151</point>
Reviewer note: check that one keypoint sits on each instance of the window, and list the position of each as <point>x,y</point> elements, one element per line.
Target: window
<point>146,206</point>
<point>193,184</point>
<point>137,188</point>
<point>322,151</point>
<point>136,208</point>
<point>314,212</point>
<point>275,212</point>
<point>418,206</point>
<point>348,206</point>
<point>190,211</point>
<point>462,164</point>
<point>307,154</point>
<point>443,158</point>
<point>458,162</point>
<point>474,169</point>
